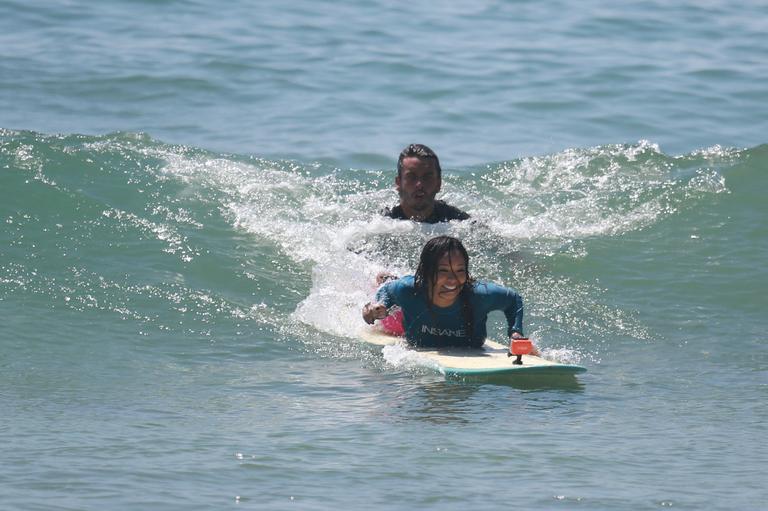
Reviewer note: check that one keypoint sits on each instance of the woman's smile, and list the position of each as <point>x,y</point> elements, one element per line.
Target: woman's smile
<point>451,277</point>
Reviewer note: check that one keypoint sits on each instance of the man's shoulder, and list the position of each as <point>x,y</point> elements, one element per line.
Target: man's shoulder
<point>396,213</point>
<point>445,212</point>
<point>442,212</point>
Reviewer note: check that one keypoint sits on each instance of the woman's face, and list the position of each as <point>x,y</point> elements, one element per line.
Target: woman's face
<point>451,276</point>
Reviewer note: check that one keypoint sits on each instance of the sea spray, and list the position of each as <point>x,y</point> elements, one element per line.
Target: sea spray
<point>308,239</point>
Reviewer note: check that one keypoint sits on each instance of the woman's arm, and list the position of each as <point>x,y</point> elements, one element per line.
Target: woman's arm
<point>513,310</point>
<point>511,303</point>
<point>383,301</point>
<point>514,314</point>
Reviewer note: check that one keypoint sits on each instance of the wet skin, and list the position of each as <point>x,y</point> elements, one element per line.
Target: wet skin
<point>451,277</point>
<point>417,185</point>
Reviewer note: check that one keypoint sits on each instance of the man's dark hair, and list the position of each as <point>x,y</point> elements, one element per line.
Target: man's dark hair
<point>421,152</point>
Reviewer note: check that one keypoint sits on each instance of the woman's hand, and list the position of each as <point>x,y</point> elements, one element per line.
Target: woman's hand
<point>373,311</point>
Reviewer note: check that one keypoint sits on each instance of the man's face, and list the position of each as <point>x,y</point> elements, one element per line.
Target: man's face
<point>417,184</point>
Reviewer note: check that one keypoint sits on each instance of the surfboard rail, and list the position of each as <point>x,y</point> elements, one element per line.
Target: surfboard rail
<point>490,360</point>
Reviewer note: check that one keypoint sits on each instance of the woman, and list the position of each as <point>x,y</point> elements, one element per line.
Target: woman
<point>442,305</point>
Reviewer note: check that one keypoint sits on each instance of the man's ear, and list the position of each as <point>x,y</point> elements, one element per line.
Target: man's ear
<point>397,182</point>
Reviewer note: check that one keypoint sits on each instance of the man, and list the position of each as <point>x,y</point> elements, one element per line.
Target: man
<point>418,181</point>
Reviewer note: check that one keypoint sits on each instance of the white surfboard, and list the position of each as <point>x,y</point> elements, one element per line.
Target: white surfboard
<point>490,360</point>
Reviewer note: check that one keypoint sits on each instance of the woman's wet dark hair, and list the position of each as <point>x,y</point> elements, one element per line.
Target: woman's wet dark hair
<point>426,275</point>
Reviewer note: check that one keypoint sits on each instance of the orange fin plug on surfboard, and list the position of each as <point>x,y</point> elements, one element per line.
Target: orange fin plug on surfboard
<point>520,347</point>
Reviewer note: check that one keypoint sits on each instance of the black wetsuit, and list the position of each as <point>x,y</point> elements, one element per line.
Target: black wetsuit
<point>441,213</point>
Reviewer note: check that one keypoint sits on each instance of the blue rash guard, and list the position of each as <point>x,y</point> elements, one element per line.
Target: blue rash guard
<point>433,326</point>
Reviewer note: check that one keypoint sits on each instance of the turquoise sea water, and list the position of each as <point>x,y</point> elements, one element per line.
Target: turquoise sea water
<point>189,199</point>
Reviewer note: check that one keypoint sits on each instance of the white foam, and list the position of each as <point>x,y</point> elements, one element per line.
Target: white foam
<point>547,205</point>
<point>400,357</point>
<point>562,355</point>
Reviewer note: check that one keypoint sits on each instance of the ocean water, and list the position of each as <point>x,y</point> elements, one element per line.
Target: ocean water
<point>189,224</point>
